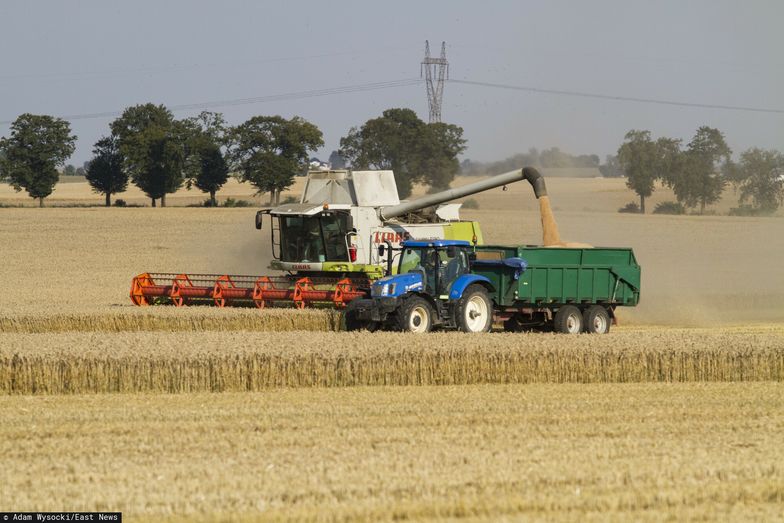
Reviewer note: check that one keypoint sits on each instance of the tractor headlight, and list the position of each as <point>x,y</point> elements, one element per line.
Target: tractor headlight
<point>385,289</point>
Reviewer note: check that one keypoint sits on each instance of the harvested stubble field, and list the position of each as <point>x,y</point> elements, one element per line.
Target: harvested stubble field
<point>634,452</point>
<point>250,361</point>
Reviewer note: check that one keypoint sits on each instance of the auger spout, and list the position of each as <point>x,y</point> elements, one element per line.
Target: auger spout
<point>528,173</point>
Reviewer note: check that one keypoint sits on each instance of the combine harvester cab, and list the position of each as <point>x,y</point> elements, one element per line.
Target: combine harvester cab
<point>326,247</point>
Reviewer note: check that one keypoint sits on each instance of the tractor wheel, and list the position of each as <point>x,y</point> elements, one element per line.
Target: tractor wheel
<point>474,311</point>
<point>568,320</point>
<point>596,320</point>
<point>414,315</point>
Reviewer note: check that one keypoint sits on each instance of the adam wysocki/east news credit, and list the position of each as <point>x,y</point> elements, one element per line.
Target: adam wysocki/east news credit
<point>61,516</point>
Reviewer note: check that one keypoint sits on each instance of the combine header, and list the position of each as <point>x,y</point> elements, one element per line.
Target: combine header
<point>244,291</point>
<point>326,247</point>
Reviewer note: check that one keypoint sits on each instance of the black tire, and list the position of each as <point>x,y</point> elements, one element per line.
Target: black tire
<point>568,320</point>
<point>353,323</point>
<point>518,324</point>
<point>596,320</point>
<point>414,315</point>
<point>474,310</point>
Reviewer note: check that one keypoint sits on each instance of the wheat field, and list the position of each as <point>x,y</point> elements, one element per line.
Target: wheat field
<point>240,414</point>
<point>639,452</point>
<point>186,362</point>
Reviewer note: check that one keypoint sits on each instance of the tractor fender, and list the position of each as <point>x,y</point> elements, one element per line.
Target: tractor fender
<point>462,283</point>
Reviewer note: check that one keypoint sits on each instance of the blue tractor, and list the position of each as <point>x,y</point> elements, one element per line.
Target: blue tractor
<point>433,287</point>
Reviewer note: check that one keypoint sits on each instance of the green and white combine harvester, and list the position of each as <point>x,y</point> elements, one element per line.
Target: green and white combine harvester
<point>350,233</point>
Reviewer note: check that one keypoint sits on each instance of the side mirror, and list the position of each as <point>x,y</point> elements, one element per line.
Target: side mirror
<point>381,250</point>
<point>259,215</point>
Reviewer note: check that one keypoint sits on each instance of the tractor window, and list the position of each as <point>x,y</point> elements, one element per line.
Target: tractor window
<point>410,260</point>
<point>449,262</point>
<point>313,238</point>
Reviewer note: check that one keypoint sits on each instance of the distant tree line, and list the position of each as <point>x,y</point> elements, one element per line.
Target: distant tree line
<point>159,154</point>
<point>548,158</point>
<point>699,172</point>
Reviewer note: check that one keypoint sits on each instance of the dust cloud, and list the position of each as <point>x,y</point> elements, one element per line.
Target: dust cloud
<point>231,246</point>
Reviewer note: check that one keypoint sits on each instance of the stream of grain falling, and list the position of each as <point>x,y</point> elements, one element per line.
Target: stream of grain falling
<point>550,235</point>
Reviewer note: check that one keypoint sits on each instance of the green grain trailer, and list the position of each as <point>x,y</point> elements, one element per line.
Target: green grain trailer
<point>587,279</point>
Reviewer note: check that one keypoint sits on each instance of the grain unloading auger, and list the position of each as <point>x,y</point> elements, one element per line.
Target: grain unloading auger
<point>326,246</point>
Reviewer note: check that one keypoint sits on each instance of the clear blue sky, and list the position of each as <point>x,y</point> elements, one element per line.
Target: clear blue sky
<point>69,57</point>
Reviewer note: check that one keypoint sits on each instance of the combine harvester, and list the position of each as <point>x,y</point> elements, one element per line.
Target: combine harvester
<point>327,246</point>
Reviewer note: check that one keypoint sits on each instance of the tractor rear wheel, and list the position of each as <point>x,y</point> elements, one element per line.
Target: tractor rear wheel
<point>596,320</point>
<point>474,311</point>
<point>568,320</point>
<point>414,315</point>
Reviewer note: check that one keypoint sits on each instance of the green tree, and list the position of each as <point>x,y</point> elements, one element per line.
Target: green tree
<point>414,150</point>
<point>759,176</point>
<point>670,160</point>
<point>69,170</point>
<point>213,171</point>
<point>105,172</point>
<point>205,163</point>
<point>698,179</point>
<point>638,156</point>
<point>152,144</point>
<point>441,144</point>
<point>37,146</point>
<point>269,151</point>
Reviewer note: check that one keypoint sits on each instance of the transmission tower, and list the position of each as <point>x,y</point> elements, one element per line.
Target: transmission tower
<point>435,70</point>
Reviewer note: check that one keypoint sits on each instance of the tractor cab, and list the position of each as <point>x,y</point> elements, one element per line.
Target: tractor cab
<point>428,267</point>
<point>434,287</point>
<point>439,263</point>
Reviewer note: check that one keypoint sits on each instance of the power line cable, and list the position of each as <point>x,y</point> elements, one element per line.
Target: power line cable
<point>618,98</point>
<point>258,99</point>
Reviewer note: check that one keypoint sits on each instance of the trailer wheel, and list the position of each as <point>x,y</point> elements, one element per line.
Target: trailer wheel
<point>474,311</point>
<point>414,315</point>
<point>568,320</point>
<point>596,320</point>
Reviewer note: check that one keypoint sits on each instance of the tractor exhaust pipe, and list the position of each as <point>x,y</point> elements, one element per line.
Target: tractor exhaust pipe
<point>536,180</point>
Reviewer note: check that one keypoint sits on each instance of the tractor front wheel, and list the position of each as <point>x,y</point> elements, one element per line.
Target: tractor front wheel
<point>414,315</point>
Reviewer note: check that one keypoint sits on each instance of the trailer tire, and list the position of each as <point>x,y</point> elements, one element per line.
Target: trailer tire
<point>568,320</point>
<point>414,315</point>
<point>474,311</point>
<point>596,320</point>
